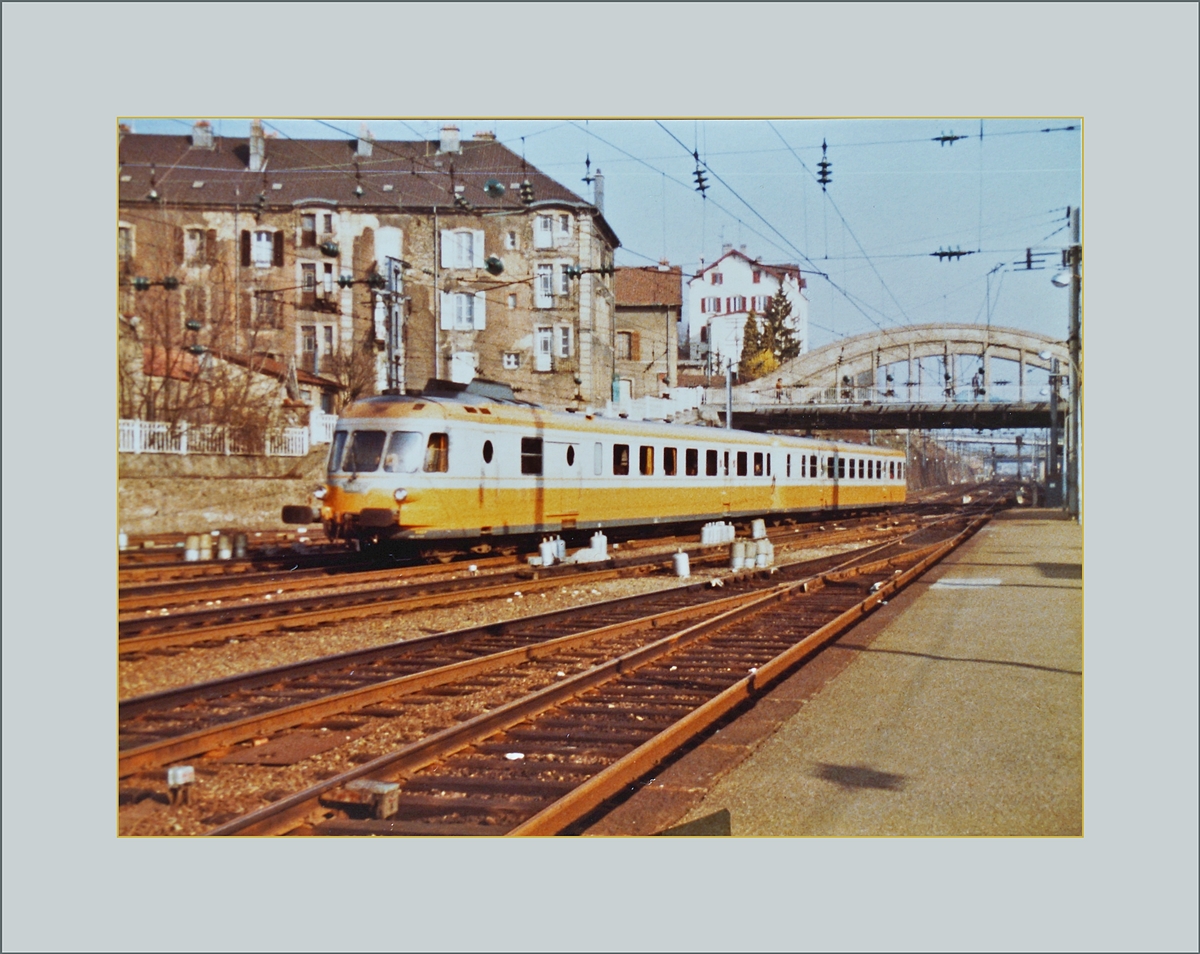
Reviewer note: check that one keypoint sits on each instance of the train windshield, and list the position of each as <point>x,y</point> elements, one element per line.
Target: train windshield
<point>363,452</point>
<point>335,452</point>
<point>404,453</point>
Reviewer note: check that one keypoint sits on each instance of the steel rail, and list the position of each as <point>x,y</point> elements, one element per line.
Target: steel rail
<point>165,750</point>
<point>295,809</point>
<point>169,750</point>
<point>626,770</point>
<point>299,612</point>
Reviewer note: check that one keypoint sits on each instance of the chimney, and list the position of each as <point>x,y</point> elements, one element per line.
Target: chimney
<point>258,146</point>
<point>123,130</point>
<point>726,248</point>
<point>366,142</point>
<point>485,134</point>
<point>742,249</point>
<point>202,136</point>
<point>450,141</point>
<point>664,264</point>
<point>599,192</point>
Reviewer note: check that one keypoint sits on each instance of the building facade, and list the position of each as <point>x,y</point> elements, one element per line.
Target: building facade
<point>723,294</point>
<point>369,265</point>
<point>649,309</point>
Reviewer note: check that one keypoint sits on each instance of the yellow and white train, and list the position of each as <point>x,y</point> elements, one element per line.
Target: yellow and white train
<point>454,468</point>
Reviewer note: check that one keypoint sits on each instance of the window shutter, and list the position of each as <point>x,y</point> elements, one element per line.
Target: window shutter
<point>635,346</point>
<point>447,249</point>
<point>210,246</point>
<point>277,257</point>
<point>245,248</point>
<point>477,245</point>
<point>447,322</point>
<point>179,246</point>
<point>480,305</point>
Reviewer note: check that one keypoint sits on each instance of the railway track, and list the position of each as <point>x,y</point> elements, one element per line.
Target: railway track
<point>161,727</point>
<point>391,591</point>
<point>555,649</point>
<point>545,760</point>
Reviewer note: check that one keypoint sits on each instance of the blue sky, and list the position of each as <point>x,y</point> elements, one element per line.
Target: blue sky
<point>896,196</point>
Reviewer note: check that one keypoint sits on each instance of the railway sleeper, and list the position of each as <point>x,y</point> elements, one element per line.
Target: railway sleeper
<point>497,785</point>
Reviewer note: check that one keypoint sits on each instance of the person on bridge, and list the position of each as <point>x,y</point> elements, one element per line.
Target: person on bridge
<point>779,390</point>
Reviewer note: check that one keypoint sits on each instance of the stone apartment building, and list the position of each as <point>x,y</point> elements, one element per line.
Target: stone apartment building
<point>366,265</point>
<point>649,309</point>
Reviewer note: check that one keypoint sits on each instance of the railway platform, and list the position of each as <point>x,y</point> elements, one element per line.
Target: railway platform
<point>956,709</point>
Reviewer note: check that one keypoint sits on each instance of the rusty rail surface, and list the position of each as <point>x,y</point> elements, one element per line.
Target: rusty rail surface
<point>162,727</point>
<point>542,761</point>
<point>137,634</point>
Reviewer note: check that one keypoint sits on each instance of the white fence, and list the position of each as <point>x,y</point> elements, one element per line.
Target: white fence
<point>320,426</point>
<point>159,437</point>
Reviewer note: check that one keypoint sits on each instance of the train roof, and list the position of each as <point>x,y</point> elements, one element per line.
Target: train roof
<point>479,404</point>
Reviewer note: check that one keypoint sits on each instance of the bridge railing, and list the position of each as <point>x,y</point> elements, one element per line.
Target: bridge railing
<point>896,394</point>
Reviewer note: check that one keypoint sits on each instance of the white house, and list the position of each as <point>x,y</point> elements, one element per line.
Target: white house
<point>722,294</point>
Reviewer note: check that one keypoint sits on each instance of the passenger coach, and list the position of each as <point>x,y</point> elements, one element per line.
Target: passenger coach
<point>474,465</point>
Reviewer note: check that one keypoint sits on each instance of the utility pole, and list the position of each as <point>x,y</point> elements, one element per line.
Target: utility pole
<point>1053,485</point>
<point>729,394</point>
<point>1075,346</point>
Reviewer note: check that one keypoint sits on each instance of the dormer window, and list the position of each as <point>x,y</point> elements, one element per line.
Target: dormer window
<point>716,278</point>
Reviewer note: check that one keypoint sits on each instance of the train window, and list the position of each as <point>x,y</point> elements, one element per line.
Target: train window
<point>531,455</point>
<point>335,452</point>
<point>487,452</point>
<point>598,459</point>
<point>741,463</point>
<point>691,461</point>
<point>620,459</point>
<point>830,468</point>
<point>403,455</point>
<point>437,454</point>
<point>758,464</point>
<point>363,452</point>
<point>789,465</point>
<point>841,466</point>
<point>727,463</point>
<point>900,471</point>
<point>646,459</point>
<point>891,470</point>
<point>768,465</point>
<point>812,465</point>
<point>570,455</point>
<point>710,463</point>
<point>669,457</point>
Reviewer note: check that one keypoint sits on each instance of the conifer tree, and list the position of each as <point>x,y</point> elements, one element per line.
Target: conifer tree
<point>751,346</point>
<point>777,334</point>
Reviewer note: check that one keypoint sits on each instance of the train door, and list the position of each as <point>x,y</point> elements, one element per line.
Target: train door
<point>564,473</point>
<point>829,478</point>
<point>489,480</point>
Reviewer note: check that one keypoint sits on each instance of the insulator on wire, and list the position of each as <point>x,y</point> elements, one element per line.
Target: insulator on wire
<point>826,168</point>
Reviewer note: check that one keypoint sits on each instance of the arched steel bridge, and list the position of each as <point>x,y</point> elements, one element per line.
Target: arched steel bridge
<point>881,380</point>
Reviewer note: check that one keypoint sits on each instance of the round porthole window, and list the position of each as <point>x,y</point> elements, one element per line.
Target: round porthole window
<point>487,452</point>
<point>570,456</point>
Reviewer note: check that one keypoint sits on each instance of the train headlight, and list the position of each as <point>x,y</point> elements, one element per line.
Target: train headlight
<point>400,494</point>
<point>319,492</point>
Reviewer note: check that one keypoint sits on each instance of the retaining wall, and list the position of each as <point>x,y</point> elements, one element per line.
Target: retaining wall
<point>171,493</point>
